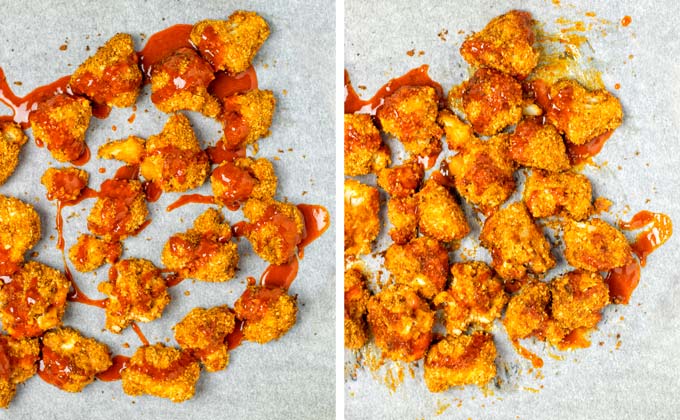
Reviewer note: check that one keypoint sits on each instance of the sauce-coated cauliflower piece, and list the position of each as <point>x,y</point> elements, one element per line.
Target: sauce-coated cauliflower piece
<point>538,144</point>
<point>578,298</point>
<point>89,253</point>
<point>235,182</point>
<point>120,209</point>
<point>527,312</point>
<point>246,117</point>
<point>12,138</point>
<point>421,264</point>
<point>267,313</point>
<point>356,301</point>
<point>18,359</point>
<point>275,229</point>
<point>595,245</point>
<point>362,219</point>
<point>60,123</point>
<point>19,232</point>
<point>64,184</point>
<point>402,213</point>
<point>547,194</point>
<point>402,180</point>
<point>365,151</point>
<point>203,333</point>
<point>439,215</point>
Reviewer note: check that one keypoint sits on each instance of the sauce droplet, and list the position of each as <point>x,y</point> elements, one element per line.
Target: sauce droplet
<point>280,275</point>
<point>191,198</point>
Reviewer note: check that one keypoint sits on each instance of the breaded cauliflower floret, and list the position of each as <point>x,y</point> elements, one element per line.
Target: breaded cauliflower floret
<point>516,243</point>
<point>275,229</point>
<point>64,184</point>
<point>577,300</point>
<point>475,297</point>
<point>439,214</point>
<point>362,220</point>
<point>267,313</point>
<point>18,360</point>
<point>580,114</point>
<point>595,245</point>
<point>174,157</point>
<point>356,301</point>
<point>70,361</point>
<point>247,117</point>
<point>538,144</point>
<point>180,81</point>
<point>203,332</point>
<point>111,76</point>
<point>12,138</point>
<point>19,232</point>
<point>491,101</point>
<point>119,211</point>
<point>410,114</point>
<point>402,180</point>
<point>547,194</point>
<point>205,252</point>
<point>401,322</point>
<point>136,292</point>
<point>460,360</point>
<point>402,212</point>
<point>505,44</point>
<point>527,311</point>
<point>234,183</point>
<point>365,151</point>
<point>89,253</point>
<point>421,264</point>
<point>129,150</point>
<point>161,371</point>
<point>33,300</point>
<point>230,45</point>
<point>60,123</point>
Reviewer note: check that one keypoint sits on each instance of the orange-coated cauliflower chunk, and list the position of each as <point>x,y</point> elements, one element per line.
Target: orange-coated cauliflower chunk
<point>538,144</point>
<point>12,138</point>
<point>60,123</point>
<point>230,45</point>
<point>362,220</point>
<point>129,150</point>
<point>365,151</point>
<point>402,213</point>
<point>401,322</point>
<point>267,313</point>
<point>595,245</point>
<point>275,229</point>
<point>205,252</point>
<point>111,76</point>
<point>19,232</point>
<point>70,361</point>
<point>516,243</point>
<point>234,183</point>
<point>64,184</point>
<point>439,214</point>
<point>356,301</point>
<point>402,180</point>
<point>136,292</point>
<point>18,360</point>
<point>120,211</point>
<point>421,264</point>
<point>247,117</point>
<point>547,194</point>
<point>527,312</point>
<point>89,253</point>
<point>32,300</point>
<point>161,371</point>
<point>577,300</point>
<point>203,333</point>
<point>505,44</point>
<point>460,360</point>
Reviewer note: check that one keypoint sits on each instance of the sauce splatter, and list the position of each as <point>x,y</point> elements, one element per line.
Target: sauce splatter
<point>191,198</point>
<point>113,373</point>
<point>161,44</point>
<point>317,220</point>
<point>280,275</point>
<point>622,282</point>
<point>626,21</point>
<point>652,238</point>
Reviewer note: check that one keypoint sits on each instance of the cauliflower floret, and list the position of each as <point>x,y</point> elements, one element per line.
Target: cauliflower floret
<point>12,138</point>
<point>401,322</point>
<point>402,212</point>
<point>421,264</point>
<point>90,253</point>
<point>460,360</point>
<point>247,117</point>
<point>60,123</point>
<point>275,229</point>
<point>120,209</point>
<point>19,232</point>
<point>180,81</point>
<point>402,180</point>
<point>267,313</point>
<point>547,194</point>
<point>439,214</point>
<point>111,76</point>
<point>33,300</point>
<point>527,311</point>
<point>161,371</point>
<point>203,332</point>
<point>595,245</point>
<point>234,183</point>
<point>70,361</point>
<point>577,300</point>
<point>362,220</point>
<point>18,360</point>
<point>64,184</point>
<point>230,45</point>
<point>365,151</point>
<point>537,144</point>
<point>356,301</point>
<point>129,150</point>
<point>136,292</point>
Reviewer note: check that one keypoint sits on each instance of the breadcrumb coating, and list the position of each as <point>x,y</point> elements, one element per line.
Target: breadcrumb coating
<point>460,360</point>
<point>578,299</point>
<point>89,253</point>
<point>275,230</point>
<point>12,139</point>
<point>538,144</point>
<point>439,215</point>
<point>120,209</point>
<point>527,311</point>
<point>70,361</point>
<point>230,45</point>
<point>365,151</point>
<point>402,180</point>
<point>595,245</point>
<point>161,371</point>
<point>402,213</point>
<point>203,333</point>
<point>111,76</point>
<point>245,178</point>
<point>547,194</point>
<point>60,123</point>
<point>18,360</point>
<point>64,184</point>
<point>267,313</point>
<point>136,292</point>
<point>362,220</point>
<point>247,117</point>
<point>422,264</point>
<point>356,301</point>
<point>19,232</point>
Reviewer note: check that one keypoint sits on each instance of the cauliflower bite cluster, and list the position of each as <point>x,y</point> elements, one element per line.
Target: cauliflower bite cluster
<point>401,183</point>
<point>180,81</point>
<point>64,184</point>
<point>356,302</point>
<point>33,300</point>
<point>120,209</point>
<point>136,292</point>
<point>247,117</point>
<point>439,215</point>
<point>460,360</point>
<point>421,264</point>
<point>161,371</point>
<point>203,333</point>
<point>19,232</point>
<point>362,222</point>
<point>60,123</point>
<point>18,360</point>
<point>537,144</point>
<point>410,115</point>
<point>230,45</point>
<point>12,138</point>
<point>401,322</point>
<point>474,298</point>
<point>235,182</point>
<point>516,243</point>
<point>275,229</point>
<point>267,313</point>
<point>205,252</point>
<point>547,194</point>
<point>89,253</point>
<point>505,44</point>
<point>595,245</point>
<point>70,361</point>
<point>365,151</point>
<point>111,76</point>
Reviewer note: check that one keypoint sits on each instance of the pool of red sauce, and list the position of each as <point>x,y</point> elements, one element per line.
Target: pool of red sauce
<point>317,220</point>
<point>161,44</point>
<point>235,338</point>
<point>113,372</point>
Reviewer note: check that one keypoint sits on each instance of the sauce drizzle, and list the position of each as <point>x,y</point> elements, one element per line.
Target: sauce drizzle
<point>191,199</point>
<point>650,239</point>
<point>113,373</point>
<point>317,220</point>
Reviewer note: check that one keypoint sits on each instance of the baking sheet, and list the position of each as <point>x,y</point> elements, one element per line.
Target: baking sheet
<point>637,378</point>
<point>290,378</point>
